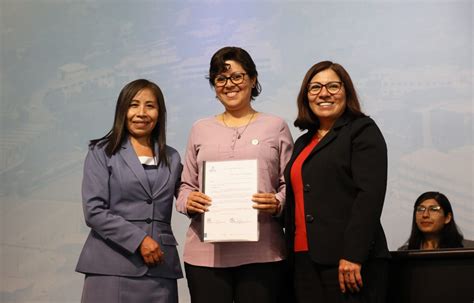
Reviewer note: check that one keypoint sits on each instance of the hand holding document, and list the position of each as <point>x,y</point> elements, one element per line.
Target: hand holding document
<point>231,185</point>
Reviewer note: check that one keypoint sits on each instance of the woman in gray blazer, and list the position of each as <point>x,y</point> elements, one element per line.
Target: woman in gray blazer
<point>130,178</point>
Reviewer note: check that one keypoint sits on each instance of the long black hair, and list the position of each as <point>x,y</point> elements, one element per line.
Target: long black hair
<point>449,237</point>
<point>119,132</point>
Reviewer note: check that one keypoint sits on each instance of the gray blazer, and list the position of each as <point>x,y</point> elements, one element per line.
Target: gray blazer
<point>121,207</point>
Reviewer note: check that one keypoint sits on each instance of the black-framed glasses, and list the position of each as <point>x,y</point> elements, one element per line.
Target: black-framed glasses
<point>332,87</point>
<point>236,78</point>
<point>433,209</point>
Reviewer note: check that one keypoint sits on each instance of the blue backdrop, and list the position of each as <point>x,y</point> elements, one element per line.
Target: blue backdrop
<point>63,63</point>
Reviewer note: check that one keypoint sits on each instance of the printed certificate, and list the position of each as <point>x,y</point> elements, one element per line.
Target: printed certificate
<point>230,184</point>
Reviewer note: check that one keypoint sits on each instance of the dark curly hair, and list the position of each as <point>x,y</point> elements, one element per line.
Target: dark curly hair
<point>236,54</point>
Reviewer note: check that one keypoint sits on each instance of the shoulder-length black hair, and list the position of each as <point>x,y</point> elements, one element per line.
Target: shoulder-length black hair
<point>450,236</point>
<point>238,55</point>
<point>306,119</point>
<point>119,132</point>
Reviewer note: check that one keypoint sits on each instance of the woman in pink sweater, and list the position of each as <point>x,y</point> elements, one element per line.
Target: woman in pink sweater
<point>236,271</point>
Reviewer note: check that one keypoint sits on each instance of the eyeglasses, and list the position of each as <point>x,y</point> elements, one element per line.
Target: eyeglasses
<point>332,87</point>
<point>433,209</point>
<point>236,78</point>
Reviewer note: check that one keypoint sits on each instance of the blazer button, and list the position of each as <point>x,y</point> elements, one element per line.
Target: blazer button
<point>148,220</point>
<point>307,187</point>
<point>309,218</point>
<point>149,201</point>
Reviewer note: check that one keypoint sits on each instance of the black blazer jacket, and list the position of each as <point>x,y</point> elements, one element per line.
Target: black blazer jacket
<point>344,182</point>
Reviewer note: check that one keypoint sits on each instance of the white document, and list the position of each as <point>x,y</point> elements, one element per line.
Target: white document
<point>230,184</point>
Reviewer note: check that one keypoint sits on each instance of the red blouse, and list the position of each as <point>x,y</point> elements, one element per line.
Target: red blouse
<point>301,242</point>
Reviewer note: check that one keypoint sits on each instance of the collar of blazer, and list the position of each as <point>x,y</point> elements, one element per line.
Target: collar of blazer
<point>329,137</point>
<point>131,159</point>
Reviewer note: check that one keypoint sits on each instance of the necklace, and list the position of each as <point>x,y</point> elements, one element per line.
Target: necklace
<point>239,135</point>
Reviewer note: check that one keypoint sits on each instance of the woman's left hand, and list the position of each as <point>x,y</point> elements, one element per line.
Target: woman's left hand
<point>266,202</point>
<point>151,252</point>
<point>350,276</point>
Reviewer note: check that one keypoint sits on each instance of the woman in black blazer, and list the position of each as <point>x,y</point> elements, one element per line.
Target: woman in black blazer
<point>336,181</point>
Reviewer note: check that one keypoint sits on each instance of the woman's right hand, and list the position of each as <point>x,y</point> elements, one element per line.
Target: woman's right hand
<point>197,202</point>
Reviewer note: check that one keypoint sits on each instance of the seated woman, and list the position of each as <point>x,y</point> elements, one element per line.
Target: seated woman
<point>433,224</point>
